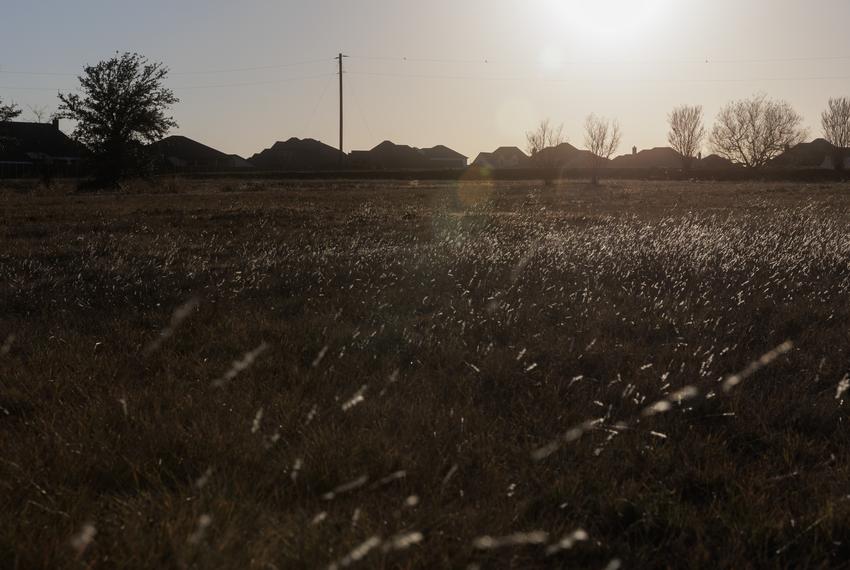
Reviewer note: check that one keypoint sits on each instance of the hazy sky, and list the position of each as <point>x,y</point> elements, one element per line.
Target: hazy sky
<point>562,59</point>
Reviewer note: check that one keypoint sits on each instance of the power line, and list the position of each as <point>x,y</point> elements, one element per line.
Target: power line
<point>258,68</point>
<point>694,61</point>
<point>341,100</point>
<point>253,83</point>
<point>405,59</point>
<point>597,80</point>
<point>468,77</point>
<point>19,88</point>
<point>46,73</point>
<point>319,103</point>
<point>474,61</point>
<point>505,79</point>
<point>190,87</point>
<point>187,72</point>
<point>360,108</point>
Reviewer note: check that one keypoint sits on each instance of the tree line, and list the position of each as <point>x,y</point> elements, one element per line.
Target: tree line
<point>748,132</point>
<point>123,104</point>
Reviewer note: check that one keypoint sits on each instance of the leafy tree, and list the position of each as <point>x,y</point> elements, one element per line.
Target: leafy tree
<point>123,106</point>
<point>754,131</point>
<point>8,112</point>
<point>686,132</point>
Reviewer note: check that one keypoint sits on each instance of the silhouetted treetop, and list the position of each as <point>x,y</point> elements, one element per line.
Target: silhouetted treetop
<point>8,112</point>
<point>686,132</point>
<point>836,122</point>
<point>123,105</point>
<point>123,98</point>
<point>752,132</point>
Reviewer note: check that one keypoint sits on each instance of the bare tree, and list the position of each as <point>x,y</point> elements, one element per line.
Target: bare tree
<point>41,114</point>
<point>836,128</point>
<point>686,132</point>
<point>752,132</point>
<point>8,112</point>
<point>602,137</point>
<point>544,136</point>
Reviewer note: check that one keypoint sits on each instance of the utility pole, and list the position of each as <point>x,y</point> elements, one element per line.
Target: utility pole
<point>341,151</point>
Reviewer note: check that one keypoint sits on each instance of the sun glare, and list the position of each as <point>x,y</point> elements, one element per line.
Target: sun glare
<point>609,18</point>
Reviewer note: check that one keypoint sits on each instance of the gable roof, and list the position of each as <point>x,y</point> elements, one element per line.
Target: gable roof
<point>658,157</point>
<point>815,154</point>
<point>179,151</point>
<point>715,162</point>
<point>186,149</point>
<point>237,161</point>
<point>389,146</point>
<point>565,155</point>
<point>510,151</point>
<point>297,154</point>
<point>389,155</point>
<point>34,141</point>
<point>441,152</point>
<point>509,156</point>
<point>389,149</point>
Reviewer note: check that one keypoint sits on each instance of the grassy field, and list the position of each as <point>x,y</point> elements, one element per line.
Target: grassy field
<point>435,375</point>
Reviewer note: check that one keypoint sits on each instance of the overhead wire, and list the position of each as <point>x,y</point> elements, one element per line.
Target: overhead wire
<point>700,61</point>
<point>489,63</point>
<point>359,107</point>
<point>253,83</point>
<point>602,80</point>
<point>318,104</point>
<point>186,72</point>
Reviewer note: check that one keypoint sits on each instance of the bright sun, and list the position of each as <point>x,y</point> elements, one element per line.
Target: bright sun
<point>610,17</point>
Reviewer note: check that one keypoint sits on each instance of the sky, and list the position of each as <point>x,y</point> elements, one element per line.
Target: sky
<point>473,74</point>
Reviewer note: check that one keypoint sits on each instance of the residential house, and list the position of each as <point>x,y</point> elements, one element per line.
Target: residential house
<point>37,148</point>
<point>503,158</point>
<point>182,153</point>
<point>298,155</point>
<point>390,156</point>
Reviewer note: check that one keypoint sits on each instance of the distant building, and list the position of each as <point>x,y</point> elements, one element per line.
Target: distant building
<point>182,153</point>
<point>818,154</point>
<point>30,148</point>
<point>505,157</point>
<point>715,162</point>
<point>444,158</point>
<point>659,157</point>
<point>297,155</point>
<point>390,156</point>
<point>566,156</point>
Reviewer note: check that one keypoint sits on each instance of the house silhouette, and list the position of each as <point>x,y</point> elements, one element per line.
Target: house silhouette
<point>297,155</point>
<point>29,148</point>
<point>182,153</point>
<point>504,157</point>
<point>391,156</point>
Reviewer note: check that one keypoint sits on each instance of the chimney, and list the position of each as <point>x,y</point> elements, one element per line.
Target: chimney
<point>55,123</point>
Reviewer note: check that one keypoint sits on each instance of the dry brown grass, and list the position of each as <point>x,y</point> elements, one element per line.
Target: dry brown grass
<point>308,374</point>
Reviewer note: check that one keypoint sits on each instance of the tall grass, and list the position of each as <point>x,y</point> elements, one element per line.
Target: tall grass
<point>423,376</point>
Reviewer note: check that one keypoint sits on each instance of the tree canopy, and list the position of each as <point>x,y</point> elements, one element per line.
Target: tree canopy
<point>8,112</point>
<point>601,137</point>
<point>123,105</point>
<point>686,131</point>
<point>752,132</point>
